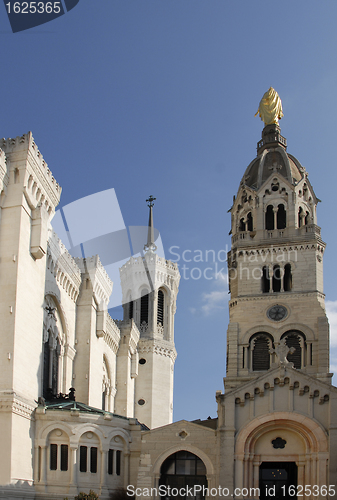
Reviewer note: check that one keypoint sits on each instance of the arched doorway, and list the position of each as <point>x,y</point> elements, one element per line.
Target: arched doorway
<point>287,441</point>
<point>182,471</point>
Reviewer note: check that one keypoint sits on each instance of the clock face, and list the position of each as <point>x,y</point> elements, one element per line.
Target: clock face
<point>276,313</point>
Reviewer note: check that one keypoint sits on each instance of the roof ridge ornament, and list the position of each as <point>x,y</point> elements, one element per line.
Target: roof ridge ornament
<point>270,107</point>
<point>150,245</point>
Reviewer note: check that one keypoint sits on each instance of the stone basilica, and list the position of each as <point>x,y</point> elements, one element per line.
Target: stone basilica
<point>277,416</point>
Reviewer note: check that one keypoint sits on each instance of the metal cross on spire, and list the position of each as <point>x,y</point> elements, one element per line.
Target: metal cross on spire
<point>150,245</point>
<point>150,201</point>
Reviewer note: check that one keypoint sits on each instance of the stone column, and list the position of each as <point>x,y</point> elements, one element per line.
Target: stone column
<point>104,468</point>
<point>36,465</point>
<point>73,470</point>
<point>126,469</point>
<point>43,478</point>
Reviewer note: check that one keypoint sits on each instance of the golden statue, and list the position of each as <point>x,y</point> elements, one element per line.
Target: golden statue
<point>270,107</point>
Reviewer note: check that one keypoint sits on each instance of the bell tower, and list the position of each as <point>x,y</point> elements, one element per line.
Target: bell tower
<point>150,287</point>
<point>275,265</point>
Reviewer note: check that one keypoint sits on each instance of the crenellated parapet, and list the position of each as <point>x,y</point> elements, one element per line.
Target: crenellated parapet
<point>26,166</point>
<point>112,334</point>
<point>91,268</point>
<point>4,179</point>
<point>151,271</point>
<point>63,266</point>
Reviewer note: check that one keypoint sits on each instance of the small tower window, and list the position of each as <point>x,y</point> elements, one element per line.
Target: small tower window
<point>144,308</point>
<point>287,278</point>
<point>265,280</point>
<point>249,222</point>
<point>242,226</point>
<point>307,218</point>
<point>261,356</point>
<point>160,308</point>
<point>276,278</point>
<point>270,224</point>
<point>281,217</point>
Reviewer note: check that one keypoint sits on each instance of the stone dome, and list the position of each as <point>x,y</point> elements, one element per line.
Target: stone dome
<point>272,158</point>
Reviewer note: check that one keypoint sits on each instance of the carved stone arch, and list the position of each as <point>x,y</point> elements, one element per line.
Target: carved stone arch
<point>186,447</point>
<point>305,442</point>
<point>304,329</point>
<point>45,431</point>
<point>57,299</point>
<point>258,329</point>
<point>83,428</point>
<point>124,435</point>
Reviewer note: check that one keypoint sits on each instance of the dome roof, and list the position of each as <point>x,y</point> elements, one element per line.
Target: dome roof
<point>272,158</point>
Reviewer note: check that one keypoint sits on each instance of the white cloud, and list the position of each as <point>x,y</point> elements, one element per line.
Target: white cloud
<point>331,311</point>
<point>216,299</point>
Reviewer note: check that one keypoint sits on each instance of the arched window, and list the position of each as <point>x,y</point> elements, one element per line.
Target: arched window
<point>260,344</point>
<point>181,470</point>
<point>144,307</point>
<point>294,339</point>
<point>307,218</point>
<point>287,278</point>
<point>270,223</point>
<point>249,222</point>
<point>281,217</point>
<point>51,350</point>
<point>300,215</point>
<point>265,280</point>
<point>242,226</point>
<point>160,308</point>
<point>277,278</point>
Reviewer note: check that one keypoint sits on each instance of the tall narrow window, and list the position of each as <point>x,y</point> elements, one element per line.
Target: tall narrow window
<point>249,222</point>
<point>53,456</point>
<point>144,308</point>
<point>118,462</point>
<point>83,458</point>
<point>287,278</point>
<point>276,278</point>
<point>270,223</point>
<point>307,218</point>
<point>261,356</point>
<point>93,459</point>
<point>281,217</point>
<point>160,308</point>
<point>300,215</point>
<point>131,309</point>
<point>265,280</point>
<point>64,457</point>
<point>242,226</point>
<point>103,400</point>
<point>110,461</point>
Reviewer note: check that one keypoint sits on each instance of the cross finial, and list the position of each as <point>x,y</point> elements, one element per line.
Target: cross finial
<point>150,201</point>
<point>150,245</point>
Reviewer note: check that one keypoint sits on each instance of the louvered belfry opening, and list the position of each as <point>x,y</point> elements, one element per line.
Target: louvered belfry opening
<point>265,280</point>
<point>294,340</point>
<point>160,308</point>
<point>144,308</point>
<point>261,356</point>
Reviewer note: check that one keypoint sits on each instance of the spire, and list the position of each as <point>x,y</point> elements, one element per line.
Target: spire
<point>150,245</point>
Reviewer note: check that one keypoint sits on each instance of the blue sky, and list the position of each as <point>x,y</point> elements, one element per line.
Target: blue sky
<point>158,97</point>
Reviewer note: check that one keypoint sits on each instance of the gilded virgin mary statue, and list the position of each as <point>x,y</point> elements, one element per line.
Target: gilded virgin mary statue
<point>270,107</point>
